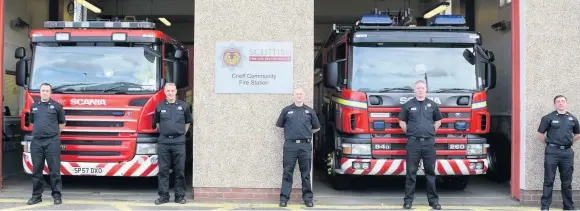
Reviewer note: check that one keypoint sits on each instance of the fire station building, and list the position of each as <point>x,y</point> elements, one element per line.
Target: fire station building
<point>237,147</point>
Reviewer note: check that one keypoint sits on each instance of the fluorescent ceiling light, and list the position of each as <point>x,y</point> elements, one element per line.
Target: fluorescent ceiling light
<point>436,10</point>
<point>89,6</point>
<point>165,21</point>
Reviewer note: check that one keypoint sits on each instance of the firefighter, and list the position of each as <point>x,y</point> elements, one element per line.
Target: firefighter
<point>558,130</point>
<point>299,122</point>
<point>172,118</point>
<point>48,120</point>
<point>419,118</point>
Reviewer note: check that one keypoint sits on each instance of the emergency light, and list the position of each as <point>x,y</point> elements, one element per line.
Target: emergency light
<point>375,19</point>
<point>448,20</point>
<point>98,25</point>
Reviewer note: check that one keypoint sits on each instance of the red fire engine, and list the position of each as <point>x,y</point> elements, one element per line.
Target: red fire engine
<point>364,72</point>
<point>109,76</point>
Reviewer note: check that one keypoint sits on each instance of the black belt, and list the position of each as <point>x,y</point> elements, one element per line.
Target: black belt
<point>420,138</point>
<point>172,136</point>
<point>299,140</point>
<point>560,146</point>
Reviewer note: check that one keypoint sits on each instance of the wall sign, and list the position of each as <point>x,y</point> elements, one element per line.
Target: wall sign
<point>254,67</point>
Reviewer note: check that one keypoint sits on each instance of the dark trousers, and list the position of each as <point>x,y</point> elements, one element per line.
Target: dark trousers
<point>417,149</point>
<point>303,153</point>
<point>563,159</point>
<point>171,154</point>
<point>49,149</point>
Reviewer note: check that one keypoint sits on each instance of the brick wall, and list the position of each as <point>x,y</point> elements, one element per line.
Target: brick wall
<point>244,193</point>
<point>532,198</point>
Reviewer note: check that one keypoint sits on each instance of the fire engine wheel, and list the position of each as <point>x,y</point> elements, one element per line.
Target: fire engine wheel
<point>455,182</point>
<point>337,181</point>
<point>498,155</point>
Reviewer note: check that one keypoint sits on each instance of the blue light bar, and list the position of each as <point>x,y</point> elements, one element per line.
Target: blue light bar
<point>448,20</point>
<point>375,19</point>
<point>99,25</point>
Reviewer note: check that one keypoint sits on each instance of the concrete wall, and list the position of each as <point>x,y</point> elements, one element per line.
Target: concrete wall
<point>328,10</point>
<point>488,13</point>
<point>35,12</point>
<point>551,68</point>
<point>180,31</point>
<point>236,144</point>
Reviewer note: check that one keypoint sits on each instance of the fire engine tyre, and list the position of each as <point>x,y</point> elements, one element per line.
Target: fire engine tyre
<point>456,183</point>
<point>499,156</point>
<point>337,181</point>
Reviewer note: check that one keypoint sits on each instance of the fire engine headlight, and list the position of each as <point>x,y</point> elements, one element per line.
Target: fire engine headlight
<point>62,36</point>
<point>146,149</point>
<point>474,149</point>
<point>356,149</point>
<point>26,146</point>
<point>119,37</point>
<point>460,125</point>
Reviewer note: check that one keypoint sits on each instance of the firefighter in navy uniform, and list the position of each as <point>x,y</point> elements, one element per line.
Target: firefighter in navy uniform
<point>419,118</point>
<point>559,130</point>
<point>48,120</point>
<point>299,122</point>
<point>172,118</point>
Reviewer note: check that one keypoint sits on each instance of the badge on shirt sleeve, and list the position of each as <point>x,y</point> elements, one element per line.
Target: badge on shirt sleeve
<point>306,111</point>
<point>51,106</point>
<point>34,109</point>
<point>428,104</point>
<point>163,111</point>
<point>179,108</point>
<point>570,118</point>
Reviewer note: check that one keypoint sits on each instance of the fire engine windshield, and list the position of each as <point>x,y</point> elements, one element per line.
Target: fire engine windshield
<point>384,68</point>
<point>95,69</point>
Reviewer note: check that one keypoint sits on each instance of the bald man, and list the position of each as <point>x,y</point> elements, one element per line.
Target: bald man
<point>172,118</point>
<point>299,122</point>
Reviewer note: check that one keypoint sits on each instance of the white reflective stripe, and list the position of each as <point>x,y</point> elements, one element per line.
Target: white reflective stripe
<point>351,103</point>
<point>477,105</point>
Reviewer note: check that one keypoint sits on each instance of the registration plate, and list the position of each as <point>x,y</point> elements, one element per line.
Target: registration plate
<point>91,170</point>
<point>381,146</point>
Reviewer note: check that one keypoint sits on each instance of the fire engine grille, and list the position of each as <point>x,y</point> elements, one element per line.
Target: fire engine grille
<point>70,133</point>
<point>90,153</point>
<point>444,114</point>
<point>93,143</point>
<point>94,112</point>
<point>94,124</point>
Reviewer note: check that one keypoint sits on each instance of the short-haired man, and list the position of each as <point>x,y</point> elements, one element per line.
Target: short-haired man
<point>420,118</point>
<point>172,118</point>
<point>48,120</point>
<point>299,122</point>
<point>558,130</point>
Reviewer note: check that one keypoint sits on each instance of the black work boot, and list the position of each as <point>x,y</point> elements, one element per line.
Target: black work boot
<point>407,205</point>
<point>180,200</point>
<point>34,200</point>
<point>161,200</point>
<point>283,204</point>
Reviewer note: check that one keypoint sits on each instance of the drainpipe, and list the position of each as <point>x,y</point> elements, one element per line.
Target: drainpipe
<point>2,2</point>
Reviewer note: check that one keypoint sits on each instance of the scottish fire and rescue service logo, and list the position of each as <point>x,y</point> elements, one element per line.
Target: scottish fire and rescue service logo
<point>232,57</point>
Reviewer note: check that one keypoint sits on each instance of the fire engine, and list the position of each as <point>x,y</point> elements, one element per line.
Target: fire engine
<point>364,72</point>
<point>109,77</point>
